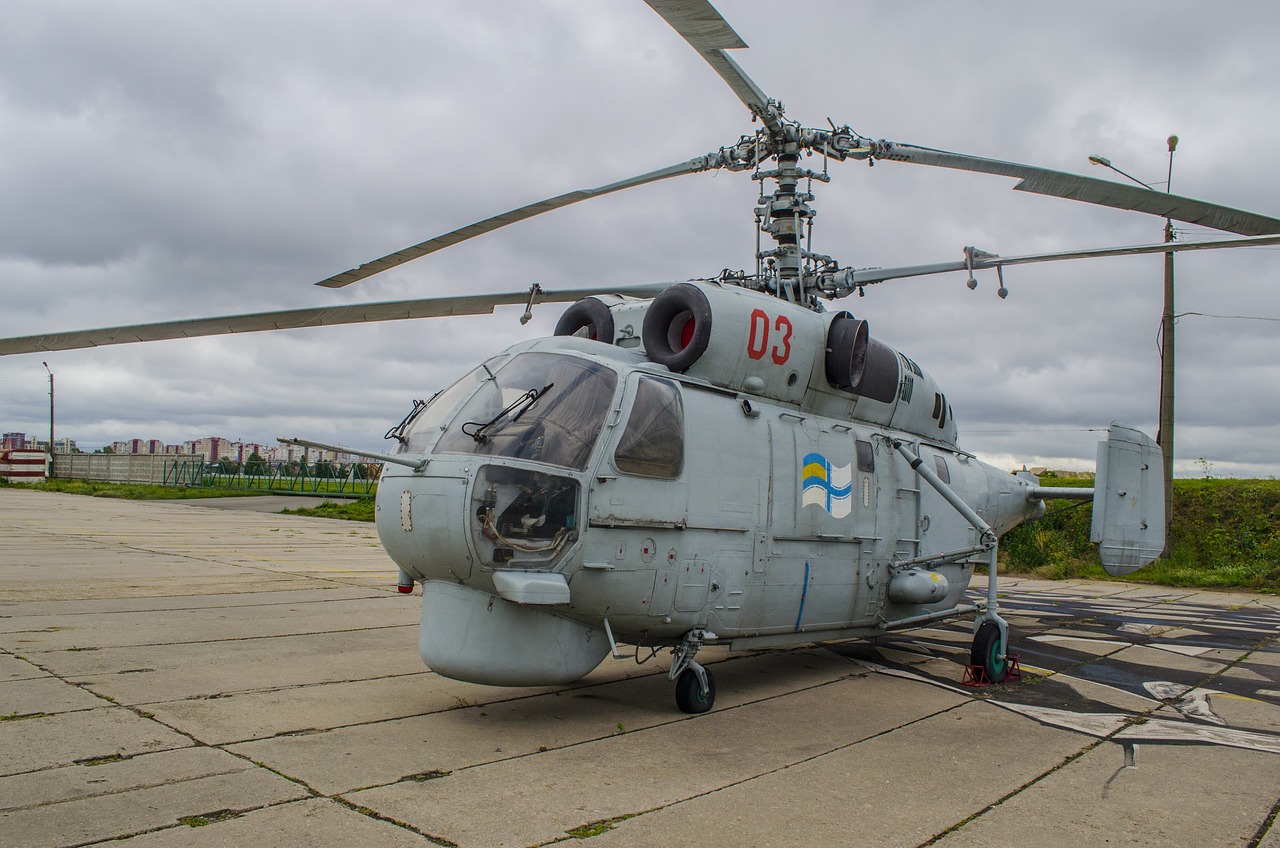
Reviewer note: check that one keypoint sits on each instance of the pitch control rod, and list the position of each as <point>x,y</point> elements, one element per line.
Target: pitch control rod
<point>416,465</point>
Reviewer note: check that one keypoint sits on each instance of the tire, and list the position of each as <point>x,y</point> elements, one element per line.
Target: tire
<point>677,327</point>
<point>688,697</point>
<point>590,314</point>
<point>988,653</point>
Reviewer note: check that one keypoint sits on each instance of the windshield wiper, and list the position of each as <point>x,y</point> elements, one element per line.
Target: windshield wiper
<point>526,400</point>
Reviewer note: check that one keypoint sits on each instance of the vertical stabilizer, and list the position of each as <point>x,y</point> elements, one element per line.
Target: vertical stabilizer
<point>1128,501</point>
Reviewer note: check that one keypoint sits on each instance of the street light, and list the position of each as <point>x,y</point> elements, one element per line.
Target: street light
<point>1165,435</point>
<point>46,367</point>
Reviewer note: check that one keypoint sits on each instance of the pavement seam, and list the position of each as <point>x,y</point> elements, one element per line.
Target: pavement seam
<point>745,780</point>
<point>226,813</point>
<point>217,696</point>
<point>210,641</point>
<point>248,605</point>
<point>374,814</point>
<point>106,793</point>
<point>1263,829</point>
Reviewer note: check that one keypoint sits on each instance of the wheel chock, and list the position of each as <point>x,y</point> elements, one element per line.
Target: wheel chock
<point>1015,668</point>
<point>975,676</point>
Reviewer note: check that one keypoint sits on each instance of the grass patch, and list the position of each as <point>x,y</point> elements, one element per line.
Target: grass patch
<point>359,510</point>
<point>17,716</point>
<point>423,776</point>
<point>596,828</point>
<point>1225,535</point>
<point>102,761</point>
<point>208,818</point>
<point>135,491</point>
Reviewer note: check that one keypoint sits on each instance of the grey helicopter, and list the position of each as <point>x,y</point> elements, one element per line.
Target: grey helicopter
<point>720,461</point>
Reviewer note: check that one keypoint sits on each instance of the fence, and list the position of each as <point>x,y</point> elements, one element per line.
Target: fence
<point>159,469</point>
<point>354,481</point>
<point>358,480</point>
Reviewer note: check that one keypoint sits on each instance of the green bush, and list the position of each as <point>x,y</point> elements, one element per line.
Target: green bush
<point>1225,534</point>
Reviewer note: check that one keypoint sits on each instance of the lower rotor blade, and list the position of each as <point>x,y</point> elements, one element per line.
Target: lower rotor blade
<point>1089,190</point>
<point>391,260</point>
<point>287,319</point>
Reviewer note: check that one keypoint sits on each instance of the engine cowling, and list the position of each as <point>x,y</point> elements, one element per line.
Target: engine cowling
<point>735,338</point>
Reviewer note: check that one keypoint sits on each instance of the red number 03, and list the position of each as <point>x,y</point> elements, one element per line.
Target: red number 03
<point>758,341</point>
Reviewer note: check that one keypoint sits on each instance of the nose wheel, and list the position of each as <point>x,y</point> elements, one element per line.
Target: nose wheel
<point>691,696</point>
<point>695,686</point>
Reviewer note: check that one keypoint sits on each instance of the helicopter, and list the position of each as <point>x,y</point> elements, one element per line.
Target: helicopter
<point>716,461</point>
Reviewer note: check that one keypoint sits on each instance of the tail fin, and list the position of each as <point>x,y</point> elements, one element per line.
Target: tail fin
<point>1128,501</point>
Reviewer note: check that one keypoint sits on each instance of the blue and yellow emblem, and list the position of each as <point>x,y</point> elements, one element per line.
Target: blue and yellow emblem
<point>826,485</point>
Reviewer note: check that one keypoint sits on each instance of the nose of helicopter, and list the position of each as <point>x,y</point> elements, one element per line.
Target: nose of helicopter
<point>421,524</point>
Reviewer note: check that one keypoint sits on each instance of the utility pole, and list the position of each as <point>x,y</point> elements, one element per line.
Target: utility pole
<point>46,367</point>
<point>1164,437</point>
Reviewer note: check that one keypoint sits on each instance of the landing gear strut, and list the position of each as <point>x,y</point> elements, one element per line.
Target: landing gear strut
<point>990,632</point>
<point>695,685</point>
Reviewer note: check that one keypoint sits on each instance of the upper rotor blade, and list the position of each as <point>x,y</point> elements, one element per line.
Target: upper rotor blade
<point>400,257</point>
<point>878,275</point>
<point>1090,190</point>
<point>701,25</point>
<point>321,316</point>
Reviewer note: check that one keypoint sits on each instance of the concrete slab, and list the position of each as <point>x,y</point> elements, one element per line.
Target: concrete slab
<point>655,767</point>
<point>46,695</point>
<point>176,627</point>
<point>459,735</point>
<point>300,824</point>
<point>900,789</point>
<point>263,683</point>
<point>131,603</point>
<point>145,674</point>
<point>32,744</point>
<point>1172,796</point>
<point>13,668</point>
<point>229,785</point>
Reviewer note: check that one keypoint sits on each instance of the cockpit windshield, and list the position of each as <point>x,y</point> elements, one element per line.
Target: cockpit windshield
<point>431,420</point>
<point>546,407</point>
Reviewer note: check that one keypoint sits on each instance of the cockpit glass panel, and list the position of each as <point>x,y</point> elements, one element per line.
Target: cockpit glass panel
<point>546,407</point>
<point>428,423</point>
<point>652,444</point>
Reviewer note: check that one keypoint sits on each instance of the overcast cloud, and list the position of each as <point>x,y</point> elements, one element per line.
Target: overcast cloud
<point>165,160</point>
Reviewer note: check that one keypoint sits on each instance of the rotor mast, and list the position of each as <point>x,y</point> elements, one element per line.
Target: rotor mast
<point>791,270</point>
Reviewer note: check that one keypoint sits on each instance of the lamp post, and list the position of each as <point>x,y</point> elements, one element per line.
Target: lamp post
<point>46,367</point>
<point>1165,435</point>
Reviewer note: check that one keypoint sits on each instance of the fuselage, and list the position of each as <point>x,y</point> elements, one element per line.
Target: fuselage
<point>579,480</point>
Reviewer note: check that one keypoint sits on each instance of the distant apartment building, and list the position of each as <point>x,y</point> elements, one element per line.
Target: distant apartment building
<point>212,448</point>
<point>17,441</point>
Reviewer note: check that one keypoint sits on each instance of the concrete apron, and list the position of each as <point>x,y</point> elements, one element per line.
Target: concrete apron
<point>172,675</point>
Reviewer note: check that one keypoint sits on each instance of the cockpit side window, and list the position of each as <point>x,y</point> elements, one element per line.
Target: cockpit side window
<point>652,444</point>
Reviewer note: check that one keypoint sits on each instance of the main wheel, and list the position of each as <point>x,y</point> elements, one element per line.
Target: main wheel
<point>689,697</point>
<point>988,653</point>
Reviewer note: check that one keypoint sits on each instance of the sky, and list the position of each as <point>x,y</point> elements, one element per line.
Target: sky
<point>166,160</point>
